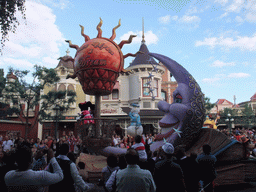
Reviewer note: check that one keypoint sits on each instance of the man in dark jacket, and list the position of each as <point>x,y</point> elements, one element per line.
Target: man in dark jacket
<point>167,173</point>
<point>71,174</point>
<point>207,170</point>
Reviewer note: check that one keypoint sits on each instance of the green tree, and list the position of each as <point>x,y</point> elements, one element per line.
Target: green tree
<point>226,111</point>
<point>247,111</point>
<point>208,105</point>
<point>24,95</point>
<point>8,21</point>
<point>2,81</point>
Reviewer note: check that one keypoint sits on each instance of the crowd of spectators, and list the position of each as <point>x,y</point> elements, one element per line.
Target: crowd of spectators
<point>39,149</point>
<point>128,141</point>
<point>168,168</point>
<point>244,135</point>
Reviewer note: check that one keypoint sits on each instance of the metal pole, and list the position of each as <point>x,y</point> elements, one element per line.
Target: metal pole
<point>56,126</point>
<point>97,115</point>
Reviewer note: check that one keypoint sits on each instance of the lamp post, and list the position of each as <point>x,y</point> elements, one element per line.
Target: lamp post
<point>56,108</point>
<point>229,120</point>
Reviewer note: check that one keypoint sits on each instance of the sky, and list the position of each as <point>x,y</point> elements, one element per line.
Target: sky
<point>215,40</point>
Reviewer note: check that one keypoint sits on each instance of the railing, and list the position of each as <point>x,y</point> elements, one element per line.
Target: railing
<point>96,134</point>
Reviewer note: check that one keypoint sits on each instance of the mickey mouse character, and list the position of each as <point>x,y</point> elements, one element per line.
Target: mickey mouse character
<point>85,113</point>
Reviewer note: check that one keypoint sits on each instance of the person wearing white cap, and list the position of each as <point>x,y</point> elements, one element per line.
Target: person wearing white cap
<point>168,176</point>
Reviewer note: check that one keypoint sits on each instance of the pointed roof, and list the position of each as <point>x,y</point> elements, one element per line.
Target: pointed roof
<point>253,98</point>
<point>11,76</point>
<point>143,58</point>
<point>221,101</point>
<point>66,61</point>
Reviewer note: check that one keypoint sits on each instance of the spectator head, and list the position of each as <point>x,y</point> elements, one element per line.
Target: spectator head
<point>64,149</point>
<point>137,139</point>
<point>168,150</point>
<point>39,154</point>
<point>132,156</point>
<point>122,162</point>
<point>112,161</point>
<point>207,149</point>
<point>193,156</point>
<point>23,157</point>
<point>71,156</point>
<point>81,165</point>
<point>179,152</point>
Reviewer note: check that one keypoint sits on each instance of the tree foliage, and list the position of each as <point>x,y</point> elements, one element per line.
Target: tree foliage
<point>8,20</point>
<point>208,105</point>
<point>247,111</point>
<point>25,95</point>
<point>226,111</point>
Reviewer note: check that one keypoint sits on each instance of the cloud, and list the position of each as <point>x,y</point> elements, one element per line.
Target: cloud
<point>222,2</point>
<point>36,38</point>
<point>221,64</point>
<point>164,19</point>
<point>211,80</point>
<point>216,79</point>
<point>238,75</point>
<point>150,37</point>
<point>17,63</point>
<point>243,43</point>
<point>190,21</point>
<point>236,6</point>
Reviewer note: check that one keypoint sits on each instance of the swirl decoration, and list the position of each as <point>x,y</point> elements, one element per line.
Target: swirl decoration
<point>195,115</point>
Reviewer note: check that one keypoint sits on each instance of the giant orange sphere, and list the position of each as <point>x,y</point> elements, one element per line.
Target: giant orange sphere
<point>97,65</point>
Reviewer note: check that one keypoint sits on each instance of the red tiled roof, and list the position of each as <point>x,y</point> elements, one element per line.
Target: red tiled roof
<point>11,76</point>
<point>253,98</point>
<point>220,101</point>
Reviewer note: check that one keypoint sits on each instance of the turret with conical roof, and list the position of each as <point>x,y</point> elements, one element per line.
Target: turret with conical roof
<point>144,57</point>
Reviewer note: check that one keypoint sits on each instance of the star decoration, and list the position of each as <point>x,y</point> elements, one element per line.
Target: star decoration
<point>155,68</point>
<point>150,75</point>
<point>148,83</point>
<point>177,131</point>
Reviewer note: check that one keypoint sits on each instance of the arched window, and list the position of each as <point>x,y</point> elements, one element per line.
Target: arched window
<point>71,88</point>
<point>62,87</point>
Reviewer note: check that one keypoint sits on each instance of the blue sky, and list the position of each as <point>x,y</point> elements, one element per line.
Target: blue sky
<point>214,40</point>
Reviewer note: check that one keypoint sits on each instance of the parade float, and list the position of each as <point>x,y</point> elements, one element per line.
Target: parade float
<point>97,65</point>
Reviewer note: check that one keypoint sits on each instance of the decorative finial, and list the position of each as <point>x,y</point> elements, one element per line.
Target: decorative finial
<point>67,52</point>
<point>143,40</point>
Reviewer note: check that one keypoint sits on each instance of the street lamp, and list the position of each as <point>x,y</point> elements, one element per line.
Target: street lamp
<point>56,108</point>
<point>229,120</point>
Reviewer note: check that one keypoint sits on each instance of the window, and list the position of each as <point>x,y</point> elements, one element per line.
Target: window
<point>163,95</point>
<point>105,97</point>
<point>148,86</point>
<point>115,94</point>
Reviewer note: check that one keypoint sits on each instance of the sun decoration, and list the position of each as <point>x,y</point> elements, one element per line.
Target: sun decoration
<point>99,61</point>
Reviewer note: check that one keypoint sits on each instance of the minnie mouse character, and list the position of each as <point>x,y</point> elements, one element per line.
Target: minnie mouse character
<point>85,113</point>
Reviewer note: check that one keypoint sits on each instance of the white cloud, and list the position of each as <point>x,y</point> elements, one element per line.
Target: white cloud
<point>221,64</point>
<point>150,37</point>
<point>216,79</point>
<point>238,75</point>
<point>222,2</point>
<point>17,63</point>
<point>189,19</point>
<point>243,43</point>
<point>236,6</point>
<point>164,19</point>
<point>239,19</point>
<point>36,38</point>
<point>211,80</point>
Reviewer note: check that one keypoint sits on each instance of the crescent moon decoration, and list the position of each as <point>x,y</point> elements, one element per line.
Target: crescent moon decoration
<point>187,114</point>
